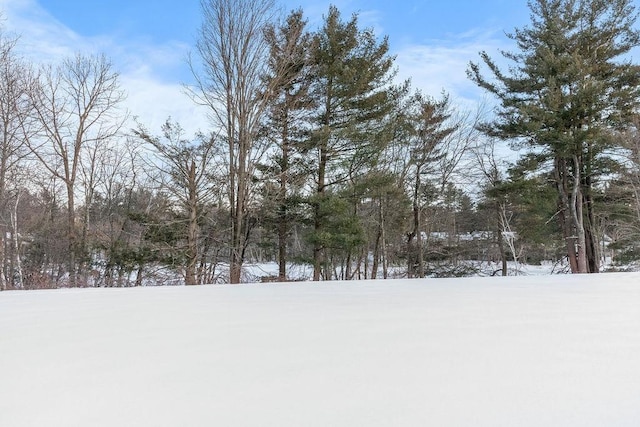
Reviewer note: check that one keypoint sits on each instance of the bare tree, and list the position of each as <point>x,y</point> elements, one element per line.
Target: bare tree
<point>17,275</point>
<point>16,83</point>
<point>229,81</point>
<point>115,176</point>
<point>491,171</point>
<point>76,105</point>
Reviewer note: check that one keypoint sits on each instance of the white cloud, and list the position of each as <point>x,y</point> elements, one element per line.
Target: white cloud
<point>316,11</point>
<point>42,37</point>
<point>149,73</point>
<point>152,102</point>
<point>433,66</point>
<point>441,65</point>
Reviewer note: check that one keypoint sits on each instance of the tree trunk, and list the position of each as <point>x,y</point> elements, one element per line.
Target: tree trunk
<point>71,236</point>
<point>420,253</point>
<point>192,232</point>
<point>570,241</point>
<point>139,276</point>
<point>376,254</point>
<point>503,255</point>
<point>18,282</point>
<point>239,214</point>
<point>3,259</point>
<point>593,253</point>
<point>577,217</point>
<point>383,242</point>
<point>318,223</point>
<point>234,269</point>
<point>3,227</point>
<point>417,229</point>
<point>283,226</point>
<point>282,247</point>
<point>235,272</point>
<point>564,213</point>
<point>282,251</point>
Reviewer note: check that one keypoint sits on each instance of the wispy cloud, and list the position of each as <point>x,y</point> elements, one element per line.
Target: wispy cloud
<point>441,65</point>
<point>150,73</point>
<point>434,65</point>
<point>42,38</point>
<point>316,11</point>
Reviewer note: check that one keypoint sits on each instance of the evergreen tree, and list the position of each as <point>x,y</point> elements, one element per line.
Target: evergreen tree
<point>284,172</point>
<point>426,120</point>
<point>185,174</point>
<point>568,86</point>
<point>352,73</point>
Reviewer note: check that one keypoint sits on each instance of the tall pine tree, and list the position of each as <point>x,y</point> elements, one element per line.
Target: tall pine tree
<point>568,86</point>
<point>284,172</point>
<point>352,86</point>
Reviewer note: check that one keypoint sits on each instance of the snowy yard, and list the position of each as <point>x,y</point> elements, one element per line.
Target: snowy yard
<point>526,351</point>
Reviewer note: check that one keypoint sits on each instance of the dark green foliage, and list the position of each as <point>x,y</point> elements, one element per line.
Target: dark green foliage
<point>322,159</point>
<point>132,232</point>
<point>352,88</point>
<point>285,171</point>
<point>568,87</point>
<point>342,232</point>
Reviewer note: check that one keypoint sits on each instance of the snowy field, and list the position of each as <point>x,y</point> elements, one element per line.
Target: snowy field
<point>526,351</point>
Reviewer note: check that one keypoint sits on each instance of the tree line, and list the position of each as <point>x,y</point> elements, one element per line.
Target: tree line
<point>317,155</point>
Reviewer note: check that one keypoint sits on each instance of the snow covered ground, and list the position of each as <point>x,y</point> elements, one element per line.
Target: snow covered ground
<point>526,351</point>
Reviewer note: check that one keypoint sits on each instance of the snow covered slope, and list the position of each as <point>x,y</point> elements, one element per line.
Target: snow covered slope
<point>532,351</point>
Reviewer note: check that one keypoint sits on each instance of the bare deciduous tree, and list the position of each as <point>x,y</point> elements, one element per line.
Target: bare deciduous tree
<point>234,56</point>
<point>76,105</point>
<point>491,171</point>
<point>116,179</point>
<point>16,82</point>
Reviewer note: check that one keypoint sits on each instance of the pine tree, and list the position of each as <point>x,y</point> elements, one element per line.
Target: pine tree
<point>568,86</point>
<point>184,168</point>
<point>284,172</point>
<point>427,129</point>
<point>352,73</point>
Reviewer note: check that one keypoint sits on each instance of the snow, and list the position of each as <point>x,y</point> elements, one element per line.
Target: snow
<point>529,351</point>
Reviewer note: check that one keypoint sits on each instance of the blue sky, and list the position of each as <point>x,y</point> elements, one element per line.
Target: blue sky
<point>164,20</point>
<point>148,40</point>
